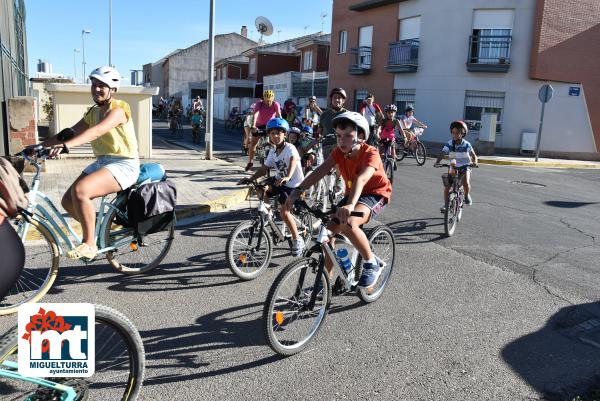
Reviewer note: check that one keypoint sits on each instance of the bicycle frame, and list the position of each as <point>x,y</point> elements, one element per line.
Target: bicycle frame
<point>9,371</point>
<point>43,210</point>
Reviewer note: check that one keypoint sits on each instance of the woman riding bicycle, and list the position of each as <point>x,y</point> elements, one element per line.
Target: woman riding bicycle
<point>368,189</point>
<point>264,110</point>
<point>109,127</point>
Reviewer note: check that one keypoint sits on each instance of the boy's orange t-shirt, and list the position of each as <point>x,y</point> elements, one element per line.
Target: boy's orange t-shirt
<point>350,168</point>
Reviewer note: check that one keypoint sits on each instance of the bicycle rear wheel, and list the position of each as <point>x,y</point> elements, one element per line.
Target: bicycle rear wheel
<point>120,364</point>
<point>138,253</point>
<point>41,266</point>
<point>289,322</point>
<point>420,154</point>
<point>450,216</point>
<point>246,259</point>
<point>383,245</point>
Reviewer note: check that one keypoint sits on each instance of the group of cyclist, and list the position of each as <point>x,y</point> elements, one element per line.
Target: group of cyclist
<point>348,143</point>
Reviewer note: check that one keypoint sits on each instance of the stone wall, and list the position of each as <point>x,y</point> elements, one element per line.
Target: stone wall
<point>22,125</point>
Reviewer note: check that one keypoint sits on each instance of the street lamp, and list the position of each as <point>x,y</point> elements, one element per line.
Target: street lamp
<point>83,32</point>
<point>75,51</point>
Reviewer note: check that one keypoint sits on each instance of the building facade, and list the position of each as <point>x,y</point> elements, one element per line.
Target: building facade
<point>13,61</point>
<point>461,59</point>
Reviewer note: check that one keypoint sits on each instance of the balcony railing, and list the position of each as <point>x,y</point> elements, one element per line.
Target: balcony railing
<point>403,56</point>
<point>360,60</point>
<point>489,53</point>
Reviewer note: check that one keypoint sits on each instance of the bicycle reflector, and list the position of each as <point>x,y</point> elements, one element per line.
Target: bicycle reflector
<point>279,317</point>
<point>133,246</point>
<point>243,258</point>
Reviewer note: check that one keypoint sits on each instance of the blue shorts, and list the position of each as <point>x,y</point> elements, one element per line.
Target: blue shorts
<point>375,203</point>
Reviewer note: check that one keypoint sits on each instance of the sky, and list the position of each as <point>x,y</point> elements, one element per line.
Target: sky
<point>143,31</point>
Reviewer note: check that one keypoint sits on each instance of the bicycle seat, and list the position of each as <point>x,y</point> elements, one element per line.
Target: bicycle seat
<point>151,172</point>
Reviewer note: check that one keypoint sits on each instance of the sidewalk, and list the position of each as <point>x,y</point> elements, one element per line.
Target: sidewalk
<point>542,162</point>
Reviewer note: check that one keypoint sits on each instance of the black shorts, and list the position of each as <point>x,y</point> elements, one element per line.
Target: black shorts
<point>282,192</point>
<point>375,203</point>
<point>261,131</point>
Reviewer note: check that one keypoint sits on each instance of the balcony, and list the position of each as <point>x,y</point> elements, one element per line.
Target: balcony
<point>403,56</point>
<point>489,53</point>
<point>360,60</point>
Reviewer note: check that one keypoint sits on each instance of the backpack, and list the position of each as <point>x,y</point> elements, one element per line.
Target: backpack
<point>151,207</point>
<point>12,189</point>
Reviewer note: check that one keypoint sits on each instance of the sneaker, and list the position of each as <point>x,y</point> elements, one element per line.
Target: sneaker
<point>370,274</point>
<point>83,251</point>
<point>395,166</point>
<point>297,247</point>
<point>249,166</point>
<point>468,200</point>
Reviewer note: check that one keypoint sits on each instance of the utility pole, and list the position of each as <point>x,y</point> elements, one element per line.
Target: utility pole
<point>208,136</point>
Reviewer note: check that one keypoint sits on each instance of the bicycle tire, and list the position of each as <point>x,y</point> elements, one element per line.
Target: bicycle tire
<point>277,327</point>
<point>450,220</point>
<point>307,226</point>
<point>420,154</point>
<point>249,273</point>
<point>109,363</point>
<point>461,197</point>
<point>389,169</point>
<point>119,259</point>
<point>400,155</point>
<point>377,237</point>
<point>42,257</point>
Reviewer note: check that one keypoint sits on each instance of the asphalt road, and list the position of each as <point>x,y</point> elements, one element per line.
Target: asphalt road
<point>505,309</point>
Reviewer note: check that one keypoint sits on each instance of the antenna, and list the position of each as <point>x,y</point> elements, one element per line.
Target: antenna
<point>263,26</point>
<point>306,28</point>
<point>323,15</point>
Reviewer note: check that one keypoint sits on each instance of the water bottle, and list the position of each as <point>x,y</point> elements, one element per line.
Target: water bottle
<point>452,169</point>
<point>342,254</point>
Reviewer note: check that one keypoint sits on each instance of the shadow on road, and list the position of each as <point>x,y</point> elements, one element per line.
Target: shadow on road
<point>182,347</point>
<point>556,360</point>
<point>569,205</point>
<point>417,231</point>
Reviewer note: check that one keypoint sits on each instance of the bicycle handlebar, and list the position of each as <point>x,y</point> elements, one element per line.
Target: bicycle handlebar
<point>325,216</point>
<point>448,165</point>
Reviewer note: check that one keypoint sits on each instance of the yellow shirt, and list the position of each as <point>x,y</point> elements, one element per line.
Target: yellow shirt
<point>119,141</point>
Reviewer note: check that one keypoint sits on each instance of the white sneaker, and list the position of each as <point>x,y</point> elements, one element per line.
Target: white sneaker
<point>297,247</point>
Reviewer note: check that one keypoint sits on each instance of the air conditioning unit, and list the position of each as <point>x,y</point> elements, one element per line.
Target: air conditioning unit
<point>528,142</point>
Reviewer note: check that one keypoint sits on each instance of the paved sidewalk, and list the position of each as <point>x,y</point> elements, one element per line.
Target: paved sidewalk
<point>203,186</point>
<point>542,162</point>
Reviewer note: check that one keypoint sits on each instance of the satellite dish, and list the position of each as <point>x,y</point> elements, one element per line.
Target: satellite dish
<point>264,26</point>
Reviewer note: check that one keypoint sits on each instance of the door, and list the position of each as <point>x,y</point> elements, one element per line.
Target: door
<point>365,41</point>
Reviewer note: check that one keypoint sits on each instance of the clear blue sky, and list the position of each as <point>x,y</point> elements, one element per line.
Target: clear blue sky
<point>143,31</point>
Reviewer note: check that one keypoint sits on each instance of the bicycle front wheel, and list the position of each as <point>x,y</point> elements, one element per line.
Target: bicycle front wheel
<point>450,215</point>
<point>290,321</point>
<point>249,250</point>
<point>41,266</point>
<point>389,169</point>
<point>134,254</point>
<point>420,154</point>
<point>400,149</point>
<point>120,365</point>
<point>383,245</point>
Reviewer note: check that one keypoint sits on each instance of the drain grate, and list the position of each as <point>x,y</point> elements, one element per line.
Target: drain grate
<point>532,184</point>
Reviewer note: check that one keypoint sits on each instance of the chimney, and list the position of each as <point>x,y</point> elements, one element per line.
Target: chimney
<point>244,32</point>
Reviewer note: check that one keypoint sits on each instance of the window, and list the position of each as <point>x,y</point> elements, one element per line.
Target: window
<point>359,96</point>
<point>479,102</point>
<point>252,66</point>
<point>343,41</point>
<point>402,98</point>
<point>307,60</point>
<point>491,37</point>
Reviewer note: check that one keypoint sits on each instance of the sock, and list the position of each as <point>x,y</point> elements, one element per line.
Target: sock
<point>373,261</point>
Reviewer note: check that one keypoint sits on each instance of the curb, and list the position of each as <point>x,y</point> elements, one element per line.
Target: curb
<point>538,164</point>
<point>216,205</point>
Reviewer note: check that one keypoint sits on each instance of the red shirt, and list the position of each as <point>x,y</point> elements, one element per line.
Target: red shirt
<point>378,184</point>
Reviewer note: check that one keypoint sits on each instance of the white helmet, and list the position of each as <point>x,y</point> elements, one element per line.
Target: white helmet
<point>109,75</point>
<point>358,119</point>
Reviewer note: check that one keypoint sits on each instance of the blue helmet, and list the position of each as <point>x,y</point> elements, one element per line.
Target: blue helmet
<point>308,129</point>
<point>278,123</point>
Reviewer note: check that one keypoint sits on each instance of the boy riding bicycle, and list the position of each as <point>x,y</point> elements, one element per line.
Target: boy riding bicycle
<point>368,189</point>
<point>460,150</point>
<point>285,159</point>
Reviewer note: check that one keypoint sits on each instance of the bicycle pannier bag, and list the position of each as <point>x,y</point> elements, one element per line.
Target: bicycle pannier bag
<point>151,207</point>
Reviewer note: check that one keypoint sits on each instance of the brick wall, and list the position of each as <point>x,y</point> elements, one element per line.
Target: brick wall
<point>566,49</point>
<point>384,20</point>
<point>22,125</point>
